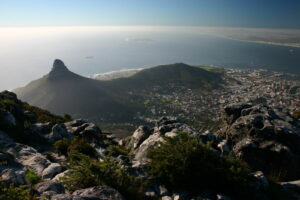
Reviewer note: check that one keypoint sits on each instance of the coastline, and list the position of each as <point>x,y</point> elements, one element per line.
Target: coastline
<point>264,42</point>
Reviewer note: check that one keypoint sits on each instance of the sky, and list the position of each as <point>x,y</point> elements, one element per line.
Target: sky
<point>225,13</point>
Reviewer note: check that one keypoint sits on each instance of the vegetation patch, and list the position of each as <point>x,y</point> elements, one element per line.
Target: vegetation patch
<point>44,116</point>
<point>76,144</point>
<point>84,172</point>
<point>32,177</point>
<point>116,150</point>
<point>15,193</point>
<point>184,162</point>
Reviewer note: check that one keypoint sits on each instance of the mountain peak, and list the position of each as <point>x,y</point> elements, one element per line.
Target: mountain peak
<point>58,68</point>
<point>58,65</point>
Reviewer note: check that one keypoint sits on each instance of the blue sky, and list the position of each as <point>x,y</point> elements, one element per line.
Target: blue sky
<point>233,13</point>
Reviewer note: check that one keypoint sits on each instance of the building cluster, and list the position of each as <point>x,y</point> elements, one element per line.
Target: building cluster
<point>204,108</point>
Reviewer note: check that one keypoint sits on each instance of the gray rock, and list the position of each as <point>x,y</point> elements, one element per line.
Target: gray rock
<point>51,170</point>
<point>166,198</point>
<point>264,137</point>
<point>58,132</point>
<point>46,186</point>
<point>261,182</point>
<point>99,193</point>
<point>150,193</point>
<point>163,190</point>
<point>59,176</point>
<point>224,147</point>
<point>4,140</point>
<point>28,157</point>
<point>17,177</point>
<point>292,188</point>
<point>222,197</point>
<point>91,132</point>
<point>139,135</point>
<point>164,127</point>
<point>6,119</point>
<point>37,162</point>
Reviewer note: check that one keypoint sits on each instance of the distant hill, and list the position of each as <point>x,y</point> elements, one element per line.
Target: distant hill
<point>62,91</point>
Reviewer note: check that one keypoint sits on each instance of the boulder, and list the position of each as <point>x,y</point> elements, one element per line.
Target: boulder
<point>58,132</point>
<point>38,162</point>
<point>292,188</point>
<point>139,135</point>
<point>264,137</point>
<point>6,119</point>
<point>52,170</point>
<point>261,182</point>
<point>47,186</point>
<point>30,116</point>
<point>15,176</point>
<point>99,193</point>
<point>143,140</point>
<point>60,175</point>
<point>89,131</point>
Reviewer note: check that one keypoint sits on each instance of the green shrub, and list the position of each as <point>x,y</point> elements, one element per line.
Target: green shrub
<point>76,144</point>
<point>15,193</point>
<point>116,150</point>
<point>81,146</point>
<point>184,162</point>
<point>84,172</point>
<point>8,105</point>
<point>296,114</point>
<point>32,177</point>
<point>68,117</point>
<point>44,116</point>
<point>61,146</point>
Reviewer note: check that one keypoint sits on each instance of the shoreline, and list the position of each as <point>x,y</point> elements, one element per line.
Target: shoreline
<point>264,42</point>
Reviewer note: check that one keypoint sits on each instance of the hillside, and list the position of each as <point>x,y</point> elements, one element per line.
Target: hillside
<point>62,91</point>
<point>64,158</point>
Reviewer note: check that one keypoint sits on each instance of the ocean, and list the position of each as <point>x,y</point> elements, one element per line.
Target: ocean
<point>28,53</point>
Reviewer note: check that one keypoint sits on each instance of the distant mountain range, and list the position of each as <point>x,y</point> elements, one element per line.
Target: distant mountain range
<point>62,91</point>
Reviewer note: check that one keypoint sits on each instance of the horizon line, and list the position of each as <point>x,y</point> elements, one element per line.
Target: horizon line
<point>145,26</point>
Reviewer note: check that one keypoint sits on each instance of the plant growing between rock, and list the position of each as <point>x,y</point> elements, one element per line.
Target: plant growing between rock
<point>184,162</point>
<point>85,172</point>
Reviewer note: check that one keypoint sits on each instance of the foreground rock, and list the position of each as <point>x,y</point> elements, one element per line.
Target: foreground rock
<point>93,193</point>
<point>266,138</point>
<point>144,139</point>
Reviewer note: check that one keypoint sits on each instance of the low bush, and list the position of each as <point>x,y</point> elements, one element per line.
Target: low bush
<point>84,172</point>
<point>76,144</point>
<point>44,116</point>
<point>32,177</point>
<point>296,114</point>
<point>184,162</point>
<point>81,146</point>
<point>115,150</point>
<point>15,193</point>
<point>61,146</point>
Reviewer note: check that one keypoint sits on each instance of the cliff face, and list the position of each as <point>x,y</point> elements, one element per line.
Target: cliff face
<point>74,159</point>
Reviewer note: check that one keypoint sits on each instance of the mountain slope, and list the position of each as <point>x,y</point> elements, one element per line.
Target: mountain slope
<point>62,91</point>
<point>179,73</point>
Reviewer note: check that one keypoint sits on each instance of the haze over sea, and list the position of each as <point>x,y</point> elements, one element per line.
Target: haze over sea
<point>27,53</point>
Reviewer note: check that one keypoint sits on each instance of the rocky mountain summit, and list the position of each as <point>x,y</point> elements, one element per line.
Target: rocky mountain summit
<point>45,156</point>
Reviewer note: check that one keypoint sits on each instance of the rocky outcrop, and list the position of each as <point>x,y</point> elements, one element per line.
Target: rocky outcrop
<point>93,193</point>
<point>144,139</point>
<point>266,138</point>
<point>49,186</point>
<point>292,188</point>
